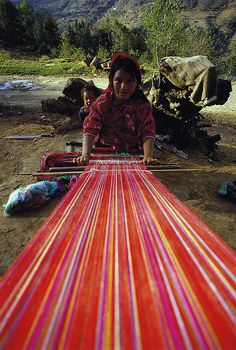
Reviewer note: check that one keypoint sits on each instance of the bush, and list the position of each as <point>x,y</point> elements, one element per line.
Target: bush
<point>5,55</point>
<point>66,50</point>
<point>226,66</point>
<point>54,52</point>
<point>44,58</point>
<point>103,53</point>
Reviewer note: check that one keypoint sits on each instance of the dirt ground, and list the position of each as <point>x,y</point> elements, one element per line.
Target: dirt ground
<point>22,115</point>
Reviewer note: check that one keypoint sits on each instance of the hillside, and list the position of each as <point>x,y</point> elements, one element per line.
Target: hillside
<point>222,13</point>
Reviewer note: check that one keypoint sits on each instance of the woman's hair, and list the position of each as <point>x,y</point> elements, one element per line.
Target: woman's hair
<point>129,65</point>
<point>90,87</point>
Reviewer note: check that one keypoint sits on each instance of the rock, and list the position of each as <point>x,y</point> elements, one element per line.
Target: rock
<point>72,90</point>
<point>61,105</point>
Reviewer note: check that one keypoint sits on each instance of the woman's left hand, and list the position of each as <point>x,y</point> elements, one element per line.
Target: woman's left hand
<point>150,160</point>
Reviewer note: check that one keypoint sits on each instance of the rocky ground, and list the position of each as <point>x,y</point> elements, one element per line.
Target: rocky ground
<point>21,114</point>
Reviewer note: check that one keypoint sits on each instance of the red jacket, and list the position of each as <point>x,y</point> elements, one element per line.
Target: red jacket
<point>123,126</point>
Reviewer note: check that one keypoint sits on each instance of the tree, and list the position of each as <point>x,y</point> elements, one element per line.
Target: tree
<point>127,40</point>
<point>46,34</point>
<point>219,40</point>
<point>137,41</point>
<point>26,23</point>
<point>120,38</point>
<point>79,35</point>
<point>162,27</point>
<point>8,23</point>
<point>168,35</point>
<point>51,32</point>
<point>38,34</point>
<point>102,37</point>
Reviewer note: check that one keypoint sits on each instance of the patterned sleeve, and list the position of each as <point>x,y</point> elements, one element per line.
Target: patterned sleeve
<point>148,128</point>
<point>92,123</point>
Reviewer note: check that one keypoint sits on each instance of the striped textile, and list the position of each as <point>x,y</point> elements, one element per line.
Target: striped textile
<point>121,263</point>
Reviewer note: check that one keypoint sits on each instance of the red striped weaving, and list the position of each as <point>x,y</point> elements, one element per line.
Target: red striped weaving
<point>121,263</point>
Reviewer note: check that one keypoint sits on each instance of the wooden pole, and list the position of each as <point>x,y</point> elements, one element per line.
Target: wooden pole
<point>149,167</point>
<point>62,173</point>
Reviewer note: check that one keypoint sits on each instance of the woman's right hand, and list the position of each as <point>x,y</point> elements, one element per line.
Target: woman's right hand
<point>82,160</point>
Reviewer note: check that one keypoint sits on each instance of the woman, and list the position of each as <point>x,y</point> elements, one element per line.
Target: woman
<point>122,115</point>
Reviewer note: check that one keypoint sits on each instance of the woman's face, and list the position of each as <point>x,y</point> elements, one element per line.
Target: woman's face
<point>124,85</point>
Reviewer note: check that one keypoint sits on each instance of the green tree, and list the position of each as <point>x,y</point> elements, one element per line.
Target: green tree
<point>127,40</point>
<point>120,39</point>
<point>38,34</point>
<point>102,39</point>
<point>69,51</point>
<point>163,28</point>
<point>48,36</point>
<point>8,23</point>
<point>79,35</point>
<point>226,63</point>
<point>219,40</point>
<point>52,35</point>
<point>137,41</point>
<point>26,22</point>
<point>167,34</point>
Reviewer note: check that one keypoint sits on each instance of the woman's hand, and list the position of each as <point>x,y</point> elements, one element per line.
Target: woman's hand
<point>150,160</point>
<point>88,141</point>
<point>148,148</point>
<point>82,160</point>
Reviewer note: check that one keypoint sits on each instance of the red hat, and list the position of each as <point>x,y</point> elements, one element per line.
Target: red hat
<point>122,56</point>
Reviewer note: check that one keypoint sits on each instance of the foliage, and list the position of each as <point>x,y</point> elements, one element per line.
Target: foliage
<point>103,53</point>
<point>79,36</point>
<point>127,40</point>
<point>162,26</point>
<point>163,33</point>
<point>43,67</point>
<point>219,40</point>
<point>168,35</point>
<point>25,29</point>
<point>54,53</point>
<point>19,27</point>
<point>8,23</point>
<point>5,55</point>
<point>196,42</point>
<point>102,37</point>
<point>121,40</point>
<point>67,50</point>
<point>50,36</point>
<point>226,63</point>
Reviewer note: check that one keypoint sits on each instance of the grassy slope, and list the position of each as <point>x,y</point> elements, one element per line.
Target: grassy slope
<point>43,67</point>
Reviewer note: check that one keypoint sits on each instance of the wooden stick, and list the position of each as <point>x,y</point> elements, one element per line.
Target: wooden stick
<point>66,168</point>
<point>61,173</point>
<point>68,163</point>
<point>25,137</point>
<point>149,167</point>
